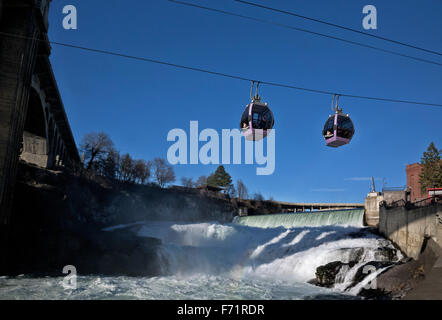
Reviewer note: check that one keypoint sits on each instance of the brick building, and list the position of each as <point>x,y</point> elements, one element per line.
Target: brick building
<point>413,171</point>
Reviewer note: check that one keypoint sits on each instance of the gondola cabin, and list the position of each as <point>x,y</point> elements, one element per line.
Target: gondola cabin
<point>338,130</point>
<point>256,121</point>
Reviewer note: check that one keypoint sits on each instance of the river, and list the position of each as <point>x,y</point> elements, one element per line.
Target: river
<point>245,259</point>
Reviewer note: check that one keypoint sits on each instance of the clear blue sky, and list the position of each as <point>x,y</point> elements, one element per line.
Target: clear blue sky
<point>138,103</point>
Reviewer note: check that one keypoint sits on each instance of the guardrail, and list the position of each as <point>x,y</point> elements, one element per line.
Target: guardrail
<point>410,205</point>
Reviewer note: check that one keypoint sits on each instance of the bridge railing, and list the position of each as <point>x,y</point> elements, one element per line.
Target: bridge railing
<point>410,205</point>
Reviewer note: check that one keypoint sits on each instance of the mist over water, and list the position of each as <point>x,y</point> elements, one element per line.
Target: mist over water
<point>227,261</point>
<point>243,252</point>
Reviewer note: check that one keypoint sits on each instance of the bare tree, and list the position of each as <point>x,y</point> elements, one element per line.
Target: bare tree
<point>141,171</point>
<point>95,147</point>
<point>127,165</point>
<point>230,190</point>
<point>111,165</point>
<point>187,182</point>
<point>241,190</point>
<point>201,181</point>
<point>162,172</point>
<point>258,197</point>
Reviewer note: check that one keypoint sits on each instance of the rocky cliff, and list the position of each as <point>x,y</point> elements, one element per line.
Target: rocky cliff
<point>58,219</point>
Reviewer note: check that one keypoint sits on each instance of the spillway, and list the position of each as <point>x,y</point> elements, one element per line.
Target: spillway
<point>349,217</point>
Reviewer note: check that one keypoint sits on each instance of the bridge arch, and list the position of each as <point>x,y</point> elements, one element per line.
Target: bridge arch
<point>35,142</point>
<point>52,139</point>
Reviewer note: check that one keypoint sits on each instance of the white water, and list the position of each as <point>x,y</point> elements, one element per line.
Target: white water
<point>244,252</point>
<point>349,217</point>
<point>224,261</point>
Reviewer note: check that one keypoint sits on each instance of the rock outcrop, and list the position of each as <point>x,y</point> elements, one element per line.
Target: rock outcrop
<point>58,218</point>
<point>356,268</point>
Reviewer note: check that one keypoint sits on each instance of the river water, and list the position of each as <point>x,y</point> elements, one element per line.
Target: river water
<point>245,259</point>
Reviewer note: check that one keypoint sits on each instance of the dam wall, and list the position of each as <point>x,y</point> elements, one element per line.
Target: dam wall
<point>408,226</point>
<point>348,217</point>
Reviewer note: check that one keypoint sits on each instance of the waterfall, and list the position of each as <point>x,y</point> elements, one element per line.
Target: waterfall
<point>271,251</point>
<point>210,260</point>
<point>350,217</point>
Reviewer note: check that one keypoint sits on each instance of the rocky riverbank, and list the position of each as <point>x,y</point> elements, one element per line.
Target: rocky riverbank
<point>357,272</point>
<point>402,279</point>
<point>58,218</point>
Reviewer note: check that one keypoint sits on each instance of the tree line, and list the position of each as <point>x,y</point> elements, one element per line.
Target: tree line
<point>100,157</point>
<point>222,179</point>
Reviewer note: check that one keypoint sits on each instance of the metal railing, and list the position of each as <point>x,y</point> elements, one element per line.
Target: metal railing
<point>410,205</point>
<point>428,201</point>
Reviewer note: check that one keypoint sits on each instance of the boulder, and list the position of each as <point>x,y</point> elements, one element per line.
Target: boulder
<point>326,274</point>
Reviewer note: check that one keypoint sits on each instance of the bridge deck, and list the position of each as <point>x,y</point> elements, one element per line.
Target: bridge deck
<point>303,206</point>
<point>318,204</point>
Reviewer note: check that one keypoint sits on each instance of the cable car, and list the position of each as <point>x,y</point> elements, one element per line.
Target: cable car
<point>257,119</point>
<point>338,129</point>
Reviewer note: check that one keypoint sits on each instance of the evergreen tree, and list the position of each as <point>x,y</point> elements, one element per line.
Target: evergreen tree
<point>220,178</point>
<point>431,174</point>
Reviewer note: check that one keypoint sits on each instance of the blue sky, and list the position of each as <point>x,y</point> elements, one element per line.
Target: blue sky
<point>138,103</point>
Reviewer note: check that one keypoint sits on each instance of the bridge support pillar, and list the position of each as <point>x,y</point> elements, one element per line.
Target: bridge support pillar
<point>17,59</point>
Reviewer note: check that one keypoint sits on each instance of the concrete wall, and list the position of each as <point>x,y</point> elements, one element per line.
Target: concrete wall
<point>34,150</point>
<point>371,217</point>
<point>407,228</point>
<point>391,196</point>
<point>372,201</point>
